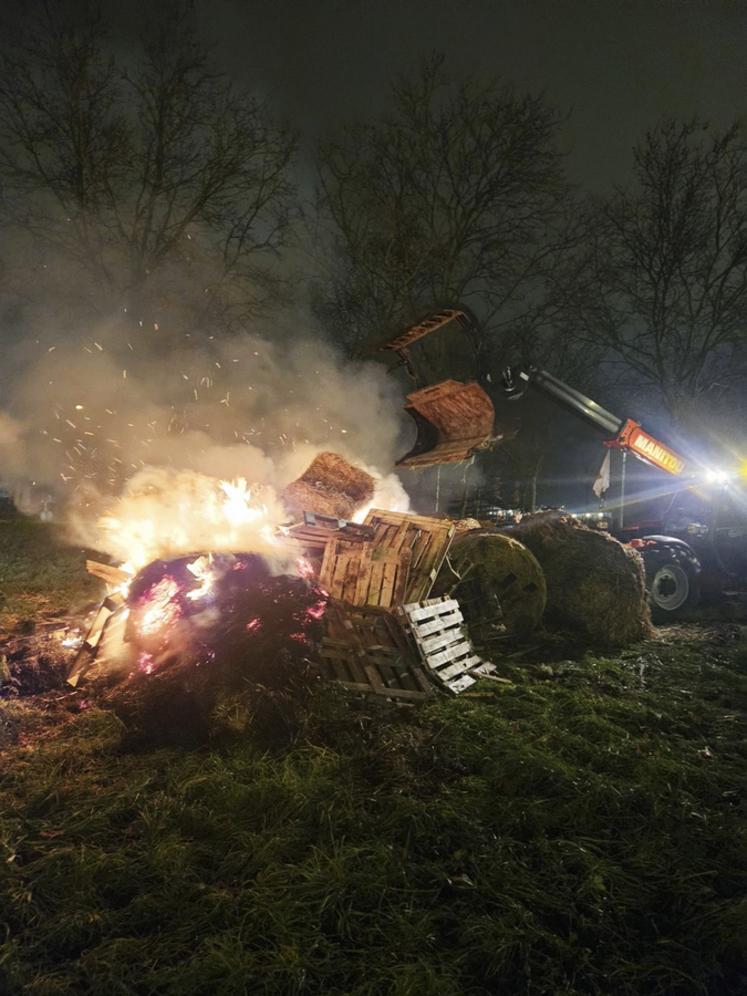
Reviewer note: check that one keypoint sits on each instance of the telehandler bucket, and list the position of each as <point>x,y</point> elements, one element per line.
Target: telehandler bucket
<point>452,420</point>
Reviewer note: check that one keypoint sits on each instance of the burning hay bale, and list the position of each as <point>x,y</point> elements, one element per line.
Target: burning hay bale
<point>209,635</point>
<point>329,486</point>
<point>497,580</point>
<point>595,585</point>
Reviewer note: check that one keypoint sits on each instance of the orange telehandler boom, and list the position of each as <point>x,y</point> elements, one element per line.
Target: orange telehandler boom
<point>625,434</point>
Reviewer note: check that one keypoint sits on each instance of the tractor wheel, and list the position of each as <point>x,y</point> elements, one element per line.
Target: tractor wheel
<point>673,590</point>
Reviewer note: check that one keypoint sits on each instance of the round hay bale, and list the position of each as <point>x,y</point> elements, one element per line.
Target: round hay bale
<point>595,585</point>
<point>502,582</point>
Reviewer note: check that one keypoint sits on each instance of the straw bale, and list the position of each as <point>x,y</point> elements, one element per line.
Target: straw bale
<point>595,585</point>
<point>502,584</point>
<point>329,486</point>
<point>301,496</point>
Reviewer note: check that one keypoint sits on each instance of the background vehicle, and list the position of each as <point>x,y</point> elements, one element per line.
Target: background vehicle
<point>696,542</point>
<point>693,538</point>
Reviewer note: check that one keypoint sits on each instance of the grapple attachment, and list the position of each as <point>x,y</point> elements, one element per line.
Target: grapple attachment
<point>452,419</point>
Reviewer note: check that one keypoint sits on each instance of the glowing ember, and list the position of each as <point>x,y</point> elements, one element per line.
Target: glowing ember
<point>317,610</point>
<point>159,608</point>
<point>145,663</point>
<point>253,625</point>
<point>72,640</point>
<point>304,568</point>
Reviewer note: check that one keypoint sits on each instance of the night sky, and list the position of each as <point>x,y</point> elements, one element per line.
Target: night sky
<point>615,65</point>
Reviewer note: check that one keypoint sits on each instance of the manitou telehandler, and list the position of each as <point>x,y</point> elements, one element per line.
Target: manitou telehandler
<point>695,542</point>
<point>693,539</point>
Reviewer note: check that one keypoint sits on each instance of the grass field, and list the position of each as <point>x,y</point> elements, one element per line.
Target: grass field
<point>39,573</point>
<point>580,831</point>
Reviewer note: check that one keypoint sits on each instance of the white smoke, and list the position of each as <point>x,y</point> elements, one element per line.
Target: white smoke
<point>92,415</point>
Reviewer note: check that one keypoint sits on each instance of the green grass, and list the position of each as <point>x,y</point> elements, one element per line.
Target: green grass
<point>39,573</point>
<point>582,831</point>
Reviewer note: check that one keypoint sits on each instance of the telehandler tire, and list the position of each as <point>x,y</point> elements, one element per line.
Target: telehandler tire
<point>673,590</point>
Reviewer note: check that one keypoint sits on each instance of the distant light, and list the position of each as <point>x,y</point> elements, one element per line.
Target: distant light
<point>717,475</point>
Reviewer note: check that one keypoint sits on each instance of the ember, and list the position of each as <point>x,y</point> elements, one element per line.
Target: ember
<point>158,609</point>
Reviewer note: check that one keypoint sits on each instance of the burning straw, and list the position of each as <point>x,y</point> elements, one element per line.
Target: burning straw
<point>214,633</point>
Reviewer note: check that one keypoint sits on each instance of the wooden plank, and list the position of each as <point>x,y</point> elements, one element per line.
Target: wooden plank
<point>85,658</point>
<point>388,579</point>
<point>374,678</point>
<point>440,622</point>
<point>418,610</point>
<point>440,640</point>
<point>113,576</point>
<point>363,583</point>
<point>340,572</point>
<point>453,670</point>
<point>449,654</point>
<point>397,518</point>
<point>328,565</point>
<point>462,683</point>
<point>485,667</point>
<point>400,538</point>
<point>350,563</point>
<point>375,578</point>
<point>424,327</point>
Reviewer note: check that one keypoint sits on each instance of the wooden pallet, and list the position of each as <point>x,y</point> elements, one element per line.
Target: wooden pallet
<point>427,540</point>
<point>437,627</point>
<point>366,651</point>
<point>317,530</point>
<point>364,573</point>
<point>424,327</point>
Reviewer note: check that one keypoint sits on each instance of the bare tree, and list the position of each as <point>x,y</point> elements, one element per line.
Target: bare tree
<point>666,284</point>
<point>456,194</point>
<point>142,168</point>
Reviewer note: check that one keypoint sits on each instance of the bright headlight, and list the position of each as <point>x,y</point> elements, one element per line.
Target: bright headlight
<point>716,475</point>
